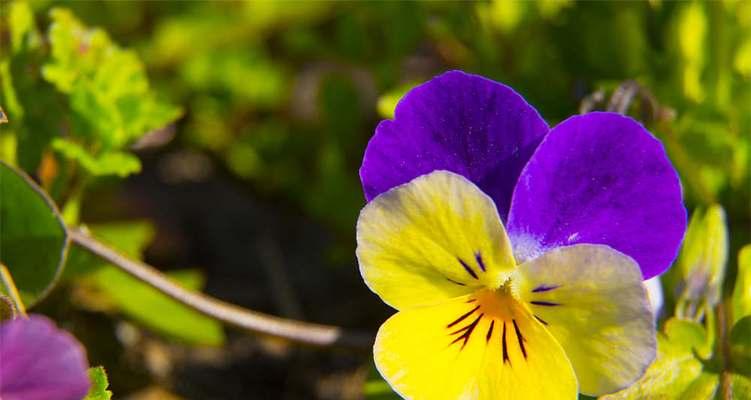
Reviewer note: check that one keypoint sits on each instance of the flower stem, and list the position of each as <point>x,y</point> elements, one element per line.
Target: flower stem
<point>253,321</point>
<point>9,287</point>
<point>723,339</point>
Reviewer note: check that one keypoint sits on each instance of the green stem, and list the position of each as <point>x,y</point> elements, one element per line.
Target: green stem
<point>9,287</point>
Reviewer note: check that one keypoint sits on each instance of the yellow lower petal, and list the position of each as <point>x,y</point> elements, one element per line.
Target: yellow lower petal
<point>591,298</point>
<point>483,346</point>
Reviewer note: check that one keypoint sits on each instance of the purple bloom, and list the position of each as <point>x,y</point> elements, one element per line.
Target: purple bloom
<point>40,362</point>
<point>599,178</point>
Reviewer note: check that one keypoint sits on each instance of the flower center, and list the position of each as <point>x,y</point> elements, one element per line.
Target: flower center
<point>498,303</point>
<point>493,313</point>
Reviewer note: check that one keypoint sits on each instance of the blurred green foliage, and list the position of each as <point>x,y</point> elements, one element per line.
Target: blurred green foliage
<point>285,95</point>
<point>742,292</point>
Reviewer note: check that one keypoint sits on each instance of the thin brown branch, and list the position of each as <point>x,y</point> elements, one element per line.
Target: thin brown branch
<point>621,99</point>
<point>723,328</point>
<point>253,321</point>
<point>589,103</point>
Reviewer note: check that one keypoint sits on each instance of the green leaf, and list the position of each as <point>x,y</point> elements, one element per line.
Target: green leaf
<point>157,311</point>
<point>110,96</point>
<point>137,300</point>
<point>99,384</point>
<point>675,369</point>
<point>704,387</point>
<point>740,345</point>
<point>107,163</point>
<point>686,333</point>
<point>33,239</point>
<point>740,387</point>
<point>742,291</point>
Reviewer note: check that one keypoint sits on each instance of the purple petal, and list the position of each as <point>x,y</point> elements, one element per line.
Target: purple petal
<point>600,178</point>
<point>458,122</point>
<point>40,362</point>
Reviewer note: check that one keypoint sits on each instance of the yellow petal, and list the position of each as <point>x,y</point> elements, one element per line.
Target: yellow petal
<point>474,347</point>
<point>591,298</point>
<point>432,239</point>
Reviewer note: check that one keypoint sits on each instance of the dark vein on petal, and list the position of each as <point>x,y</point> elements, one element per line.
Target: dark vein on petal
<point>490,331</point>
<point>478,258</point>
<point>455,282</point>
<point>545,288</point>
<point>467,268</point>
<point>503,345</point>
<point>463,329</point>
<point>545,303</point>
<point>467,331</point>
<point>520,338</point>
<point>462,317</point>
<point>541,320</point>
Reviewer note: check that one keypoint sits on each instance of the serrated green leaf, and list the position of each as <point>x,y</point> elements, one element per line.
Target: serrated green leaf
<point>106,163</point>
<point>33,239</point>
<point>742,291</point>
<point>99,385</point>
<point>110,96</point>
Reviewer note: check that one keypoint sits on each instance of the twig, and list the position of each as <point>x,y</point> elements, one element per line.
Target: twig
<point>298,331</point>
<point>591,101</point>
<point>621,99</point>
<point>9,286</point>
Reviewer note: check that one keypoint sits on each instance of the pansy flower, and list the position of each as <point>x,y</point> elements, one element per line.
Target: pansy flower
<point>514,253</point>
<point>40,362</point>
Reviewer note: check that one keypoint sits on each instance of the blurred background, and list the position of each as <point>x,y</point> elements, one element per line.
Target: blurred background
<point>220,141</point>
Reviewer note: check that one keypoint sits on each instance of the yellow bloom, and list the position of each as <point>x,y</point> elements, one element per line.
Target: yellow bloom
<point>472,324</point>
